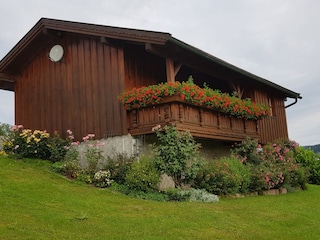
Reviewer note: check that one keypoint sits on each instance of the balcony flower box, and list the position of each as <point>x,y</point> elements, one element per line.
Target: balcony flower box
<point>190,93</point>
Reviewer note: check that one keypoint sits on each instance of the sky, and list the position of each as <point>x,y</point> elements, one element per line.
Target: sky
<point>278,40</point>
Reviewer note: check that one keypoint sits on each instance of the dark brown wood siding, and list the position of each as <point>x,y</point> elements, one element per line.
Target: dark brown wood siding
<point>142,68</point>
<point>274,127</point>
<point>78,93</point>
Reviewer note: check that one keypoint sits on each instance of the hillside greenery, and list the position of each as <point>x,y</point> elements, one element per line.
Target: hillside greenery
<point>315,148</point>
<point>37,203</point>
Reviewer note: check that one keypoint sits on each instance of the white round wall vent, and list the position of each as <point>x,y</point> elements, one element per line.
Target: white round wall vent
<point>56,53</point>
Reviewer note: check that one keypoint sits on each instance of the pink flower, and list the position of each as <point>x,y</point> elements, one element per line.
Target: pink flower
<point>156,128</point>
<point>16,127</point>
<point>90,136</point>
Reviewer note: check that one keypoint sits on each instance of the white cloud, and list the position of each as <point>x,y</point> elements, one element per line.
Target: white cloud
<point>277,40</point>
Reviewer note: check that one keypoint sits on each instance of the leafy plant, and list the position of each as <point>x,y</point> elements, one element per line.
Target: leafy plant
<point>143,175</point>
<point>192,195</point>
<point>201,195</point>
<point>93,154</point>
<point>58,147</point>
<point>311,163</point>
<point>177,194</point>
<point>177,154</point>
<point>4,129</point>
<point>223,177</point>
<point>71,166</point>
<point>119,165</point>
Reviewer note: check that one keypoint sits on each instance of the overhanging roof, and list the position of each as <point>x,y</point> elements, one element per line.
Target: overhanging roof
<point>159,43</point>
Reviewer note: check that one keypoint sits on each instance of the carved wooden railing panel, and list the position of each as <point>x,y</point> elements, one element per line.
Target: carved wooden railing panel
<point>200,121</point>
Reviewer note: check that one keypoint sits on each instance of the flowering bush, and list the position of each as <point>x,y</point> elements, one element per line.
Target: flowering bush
<point>83,164</point>
<point>190,92</point>
<point>102,178</point>
<point>26,143</point>
<point>271,166</point>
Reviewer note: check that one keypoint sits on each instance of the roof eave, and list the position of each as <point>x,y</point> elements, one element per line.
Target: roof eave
<point>209,57</point>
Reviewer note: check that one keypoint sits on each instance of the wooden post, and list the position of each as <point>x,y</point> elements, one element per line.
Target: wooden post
<point>170,70</point>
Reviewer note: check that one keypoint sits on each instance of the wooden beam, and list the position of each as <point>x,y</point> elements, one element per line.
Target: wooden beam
<point>7,77</point>
<point>170,70</point>
<point>189,60</point>
<point>237,89</point>
<point>177,69</point>
<point>7,82</point>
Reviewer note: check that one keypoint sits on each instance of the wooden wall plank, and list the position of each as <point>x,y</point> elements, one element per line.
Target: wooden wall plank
<point>275,127</point>
<point>78,93</point>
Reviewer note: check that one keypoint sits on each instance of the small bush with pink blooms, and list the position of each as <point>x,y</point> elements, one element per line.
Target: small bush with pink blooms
<point>271,166</point>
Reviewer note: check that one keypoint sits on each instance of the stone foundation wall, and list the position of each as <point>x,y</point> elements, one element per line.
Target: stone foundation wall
<point>212,149</point>
<point>135,146</point>
<point>126,145</point>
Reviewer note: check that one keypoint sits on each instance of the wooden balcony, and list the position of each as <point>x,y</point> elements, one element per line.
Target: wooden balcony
<point>201,122</point>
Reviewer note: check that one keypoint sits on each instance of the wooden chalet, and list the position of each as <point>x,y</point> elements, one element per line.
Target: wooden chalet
<point>80,89</point>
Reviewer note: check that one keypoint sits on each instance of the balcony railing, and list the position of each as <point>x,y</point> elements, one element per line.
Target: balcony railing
<point>200,121</point>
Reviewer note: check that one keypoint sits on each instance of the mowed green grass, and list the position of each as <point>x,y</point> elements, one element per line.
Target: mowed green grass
<point>36,203</point>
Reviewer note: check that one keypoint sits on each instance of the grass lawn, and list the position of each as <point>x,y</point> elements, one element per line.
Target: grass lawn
<point>38,204</point>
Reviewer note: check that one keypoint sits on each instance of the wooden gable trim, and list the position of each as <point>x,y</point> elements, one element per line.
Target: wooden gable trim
<point>107,31</point>
<point>7,77</point>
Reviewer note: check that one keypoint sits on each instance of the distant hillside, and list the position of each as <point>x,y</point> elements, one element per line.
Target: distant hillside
<point>315,148</point>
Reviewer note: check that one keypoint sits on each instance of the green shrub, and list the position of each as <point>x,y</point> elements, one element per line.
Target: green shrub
<point>70,165</point>
<point>119,165</point>
<point>143,175</point>
<point>311,163</point>
<point>192,195</point>
<point>201,195</point>
<point>177,154</point>
<point>177,194</point>
<point>258,180</point>
<point>84,177</point>
<point>93,156</point>
<point>224,176</point>
<point>4,129</point>
<point>58,147</point>
<point>295,177</point>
